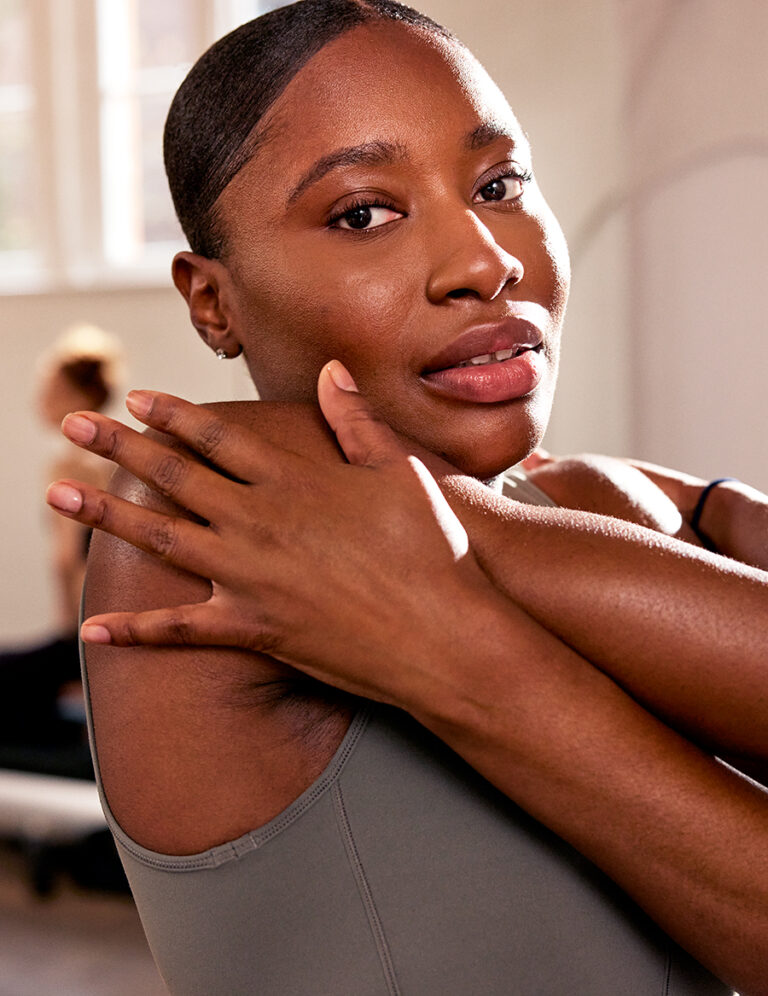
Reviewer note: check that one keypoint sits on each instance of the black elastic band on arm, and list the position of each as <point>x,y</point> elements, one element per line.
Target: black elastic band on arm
<point>697,512</point>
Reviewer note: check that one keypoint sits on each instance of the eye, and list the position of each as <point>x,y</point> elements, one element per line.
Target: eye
<point>509,186</point>
<point>364,217</point>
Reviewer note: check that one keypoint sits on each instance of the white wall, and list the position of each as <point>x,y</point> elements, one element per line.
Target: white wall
<point>664,354</point>
<point>697,110</point>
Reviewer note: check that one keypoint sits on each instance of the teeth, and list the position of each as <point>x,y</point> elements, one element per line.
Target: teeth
<point>498,357</point>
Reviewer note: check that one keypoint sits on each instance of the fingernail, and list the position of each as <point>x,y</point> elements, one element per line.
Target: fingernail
<point>139,403</point>
<point>92,633</point>
<point>79,429</point>
<point>64,497</point>
<point>340,376</point>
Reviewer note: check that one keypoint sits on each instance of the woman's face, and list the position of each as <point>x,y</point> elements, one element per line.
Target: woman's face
<point>389,220</point>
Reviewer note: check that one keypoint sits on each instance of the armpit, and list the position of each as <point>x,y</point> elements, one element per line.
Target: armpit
<point>196,745</point>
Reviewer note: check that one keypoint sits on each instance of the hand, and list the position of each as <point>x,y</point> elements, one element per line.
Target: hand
<point>735,517</point>
<point>310,562</point>
<point>539,458</point>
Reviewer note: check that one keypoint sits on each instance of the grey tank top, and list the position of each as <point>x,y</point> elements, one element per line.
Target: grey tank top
<point>399,871</point>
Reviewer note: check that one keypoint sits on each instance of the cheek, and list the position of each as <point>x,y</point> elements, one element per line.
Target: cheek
<point>297,320</point>
<point>367,313</point>
<point>555,252</point>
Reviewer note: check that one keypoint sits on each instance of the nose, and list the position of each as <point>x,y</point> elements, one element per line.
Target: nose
<point>469,262</point>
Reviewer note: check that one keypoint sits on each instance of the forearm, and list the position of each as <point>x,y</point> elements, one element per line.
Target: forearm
<point>683,631</point>
<point>685,836</point>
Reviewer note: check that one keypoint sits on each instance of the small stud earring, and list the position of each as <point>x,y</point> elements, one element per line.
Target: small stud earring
<point>221,354</point>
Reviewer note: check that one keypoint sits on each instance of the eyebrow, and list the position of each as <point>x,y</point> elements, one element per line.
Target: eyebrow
<point>376,153</point>
<point>487,133</point>
<point>380,153</point>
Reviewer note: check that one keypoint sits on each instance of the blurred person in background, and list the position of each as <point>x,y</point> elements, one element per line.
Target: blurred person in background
<point>41,708</point>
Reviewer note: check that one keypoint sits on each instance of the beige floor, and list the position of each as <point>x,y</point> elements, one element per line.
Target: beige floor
<point>74,943</point>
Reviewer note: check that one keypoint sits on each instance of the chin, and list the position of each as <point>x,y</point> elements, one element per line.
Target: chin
<point>487,469</point>
<point>501,440</point>
<point>488,458</point>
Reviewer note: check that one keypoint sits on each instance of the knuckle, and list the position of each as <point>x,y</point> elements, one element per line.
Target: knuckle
<point>163,415</point>
<point>111,445</point>
<point>178,630</point>
<point>128,633</point>
<point>262,638</point>
<point>209,437</point>
<point>359,415</point>
<point>100,513</point>
<point>168,473</point>
<point>161,537</point>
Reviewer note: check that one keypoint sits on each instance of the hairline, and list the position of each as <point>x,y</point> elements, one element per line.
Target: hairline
<point>269,127</point>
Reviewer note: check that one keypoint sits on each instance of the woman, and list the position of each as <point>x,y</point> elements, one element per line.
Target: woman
<point>371,202</point>
<point>82,369</point>
<point>40,692</point>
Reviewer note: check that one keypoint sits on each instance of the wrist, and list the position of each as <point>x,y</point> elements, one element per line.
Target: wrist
<point>499,678</point>
<point>735,519</point>
<point>477,641</point>
<point>712,512</point>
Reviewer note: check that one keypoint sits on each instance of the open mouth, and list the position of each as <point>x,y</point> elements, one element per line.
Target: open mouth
<point>502,375</point>
<point>498,357</point>
<point>492,361</point>
<point>487,344</point>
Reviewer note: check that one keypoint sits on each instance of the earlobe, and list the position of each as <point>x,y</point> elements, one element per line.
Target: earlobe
<point>203,283</point>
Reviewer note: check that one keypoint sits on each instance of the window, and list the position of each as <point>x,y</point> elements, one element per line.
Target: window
<point>84,89</point>
<point>17,151</point>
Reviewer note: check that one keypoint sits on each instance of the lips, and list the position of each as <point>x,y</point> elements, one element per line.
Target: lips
<point>483,340</point>
<point>489,363</point>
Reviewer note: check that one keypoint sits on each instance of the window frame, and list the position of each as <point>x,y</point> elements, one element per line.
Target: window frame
<point>71,245</point>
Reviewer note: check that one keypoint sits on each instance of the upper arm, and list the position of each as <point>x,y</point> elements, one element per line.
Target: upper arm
<point>196,746</point>
<point>609,486</point>
<point>735,518</point>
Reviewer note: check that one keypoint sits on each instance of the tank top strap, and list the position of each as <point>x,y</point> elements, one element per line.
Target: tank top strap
<point>516,485</point>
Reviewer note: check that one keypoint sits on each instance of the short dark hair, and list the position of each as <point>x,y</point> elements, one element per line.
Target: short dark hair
<point>209,130</point>
<point>88,376</point>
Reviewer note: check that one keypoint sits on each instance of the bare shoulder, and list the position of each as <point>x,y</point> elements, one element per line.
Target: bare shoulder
<point>608,485</point>
<point>199,745</point>
<point>295,426</point>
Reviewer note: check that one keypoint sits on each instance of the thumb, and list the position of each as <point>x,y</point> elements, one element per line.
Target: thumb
<point>365,438</point>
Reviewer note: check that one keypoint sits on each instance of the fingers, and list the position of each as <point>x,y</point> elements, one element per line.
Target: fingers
<point>539,458</point>
<point>365,438</point>
<point>232,447</point>
<point>196,625</point>
<point>169,472</point>
<point>176,540</point>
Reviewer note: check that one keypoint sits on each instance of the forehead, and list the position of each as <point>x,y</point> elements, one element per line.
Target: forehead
<point>383,81</point>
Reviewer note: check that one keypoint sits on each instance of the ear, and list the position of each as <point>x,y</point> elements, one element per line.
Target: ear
<point>205,286</point>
